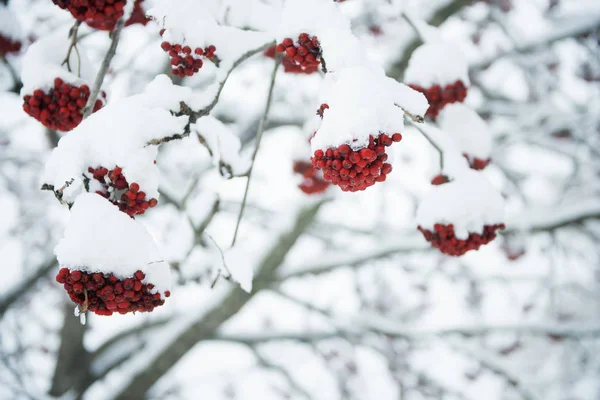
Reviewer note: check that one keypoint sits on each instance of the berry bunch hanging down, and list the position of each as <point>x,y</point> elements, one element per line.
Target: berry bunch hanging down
<point>186,61</point>
<point>356,170</point>
<point>8,45</point>
<point>288,65</point>
<point>60,108</point>
<point>114,187</point>
<point>460,215</point>
<point>439,96</point>
<point>103,14</point>
<point>440,72</point>
<point>105,294</point>
<point>109,262</point>
<point>363,105</point>
<point>11,35</point>
<point>443,238</point>
<point>303,54</point>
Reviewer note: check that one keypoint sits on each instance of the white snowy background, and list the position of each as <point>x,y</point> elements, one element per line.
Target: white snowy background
<point>346,299</point>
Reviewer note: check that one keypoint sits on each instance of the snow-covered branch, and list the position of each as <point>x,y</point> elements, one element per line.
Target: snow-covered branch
<point>22,287</point>
<point>569,27</point>
<point>164,356</point>
<point>558,216</point>
<point>404,245</point>
<point>384,327</point>
<point>195,115</point>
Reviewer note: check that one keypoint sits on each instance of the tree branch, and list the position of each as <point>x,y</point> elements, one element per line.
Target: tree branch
<point>574,332</point>
<point>407,244</point>
<point>574,26</point>
<point>73,360</point>
<point>89,107</point>
<point>259,133</point>
<point>207,325</point>
<point>196,115</point>
<point>18,290</point>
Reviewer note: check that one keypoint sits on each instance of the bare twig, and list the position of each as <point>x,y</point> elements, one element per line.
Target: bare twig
<point>434,144</point>
<point>89,107</point>
<point>260,131</point>
<point>73,45</point>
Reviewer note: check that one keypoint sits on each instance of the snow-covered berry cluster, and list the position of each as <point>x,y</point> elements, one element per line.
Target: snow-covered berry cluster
<point>60,108</point>
<point>439,96</point>
<point>443,238</point>
<point>8,45</point>
<point>113,186</point>
<point>288,64</point>
<point>477,163</point>
<point>102,14</point>
<point>302,56</point>
<point>186,61</point>
<point>313,182</point>
<point>104,293</point>
<point>355,170</point>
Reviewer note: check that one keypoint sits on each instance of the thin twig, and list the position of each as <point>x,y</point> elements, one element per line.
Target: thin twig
<point>439,150</point>
<point>89,107</point>
<point>196,115</point>
<point>260,131</point>
<point>73,45</point>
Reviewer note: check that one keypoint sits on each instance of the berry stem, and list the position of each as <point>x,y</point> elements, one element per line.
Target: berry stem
<point>87,110</point>
<point>259,133</point>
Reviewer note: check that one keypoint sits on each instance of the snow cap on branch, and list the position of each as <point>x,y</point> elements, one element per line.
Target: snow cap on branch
<point>470,132</point>
<point>468,202</point>
<point>9,24</point>
<point>100,238</point>
<point>363,101</point>
<point>42,63</point>
<point>438,63</point>
<point>117,135</point>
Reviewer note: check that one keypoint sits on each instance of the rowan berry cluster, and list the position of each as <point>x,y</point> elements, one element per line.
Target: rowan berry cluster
<point>103,14</point>
<point>302,56</point>
<point>438,96</point>
<point>443,238</point>
<point>104,293</point>
<point>356,170</point>
<point>128,197</point>
<point>60,108</point>
<point>8,45</point>
<point>186,61</point>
